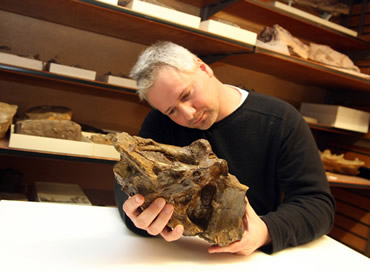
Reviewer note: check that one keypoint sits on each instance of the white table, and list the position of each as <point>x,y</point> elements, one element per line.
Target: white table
<point>60,237</point>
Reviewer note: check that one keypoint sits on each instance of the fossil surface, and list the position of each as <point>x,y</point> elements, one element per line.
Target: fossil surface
<point>47,112</point>
<point>61,129</point>
<point>209,202</point>
<point>7,112</point>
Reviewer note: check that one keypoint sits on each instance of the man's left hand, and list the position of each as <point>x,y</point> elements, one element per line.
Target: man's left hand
<point>255,235</point>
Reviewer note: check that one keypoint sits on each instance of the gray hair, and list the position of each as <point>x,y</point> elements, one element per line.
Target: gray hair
<point>159,55</point>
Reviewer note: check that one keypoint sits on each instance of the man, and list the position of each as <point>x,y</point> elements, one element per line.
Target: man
<point>265,141</point>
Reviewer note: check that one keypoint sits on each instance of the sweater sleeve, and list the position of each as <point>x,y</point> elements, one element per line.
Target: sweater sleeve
<point>307,209</point>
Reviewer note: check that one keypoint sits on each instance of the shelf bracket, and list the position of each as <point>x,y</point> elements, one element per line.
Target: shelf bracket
<point>210,9</point>
<point>209,59</point>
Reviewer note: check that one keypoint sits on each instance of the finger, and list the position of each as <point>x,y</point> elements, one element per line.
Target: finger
<point>231,248</point>
<point>131,205</point>
<point>147,216</point>
<point>161,221</point>
<point>172,234</point>
<point>218,249</point>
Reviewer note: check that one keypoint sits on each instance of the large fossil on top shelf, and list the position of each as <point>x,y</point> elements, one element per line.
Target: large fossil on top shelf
<point>208,201</point>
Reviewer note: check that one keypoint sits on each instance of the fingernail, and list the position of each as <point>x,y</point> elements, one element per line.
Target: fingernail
<point>138,199</point>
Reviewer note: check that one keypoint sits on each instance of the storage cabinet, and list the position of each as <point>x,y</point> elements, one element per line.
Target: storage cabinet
<point>122,23</point>
<point>108,38</point>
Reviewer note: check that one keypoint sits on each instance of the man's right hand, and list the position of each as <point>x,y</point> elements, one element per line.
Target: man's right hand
<point>153,219</point>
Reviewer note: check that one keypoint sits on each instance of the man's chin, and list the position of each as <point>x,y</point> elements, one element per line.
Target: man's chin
<point>203,126</point>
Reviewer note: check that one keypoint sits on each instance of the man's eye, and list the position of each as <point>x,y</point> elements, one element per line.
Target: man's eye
<point>172,111</point>
<point>185,96</point>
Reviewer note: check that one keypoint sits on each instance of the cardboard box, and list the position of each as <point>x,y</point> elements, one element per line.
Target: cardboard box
<point>71,71</point>
<point>337,116</point>
<point>229,31</point>
<point>112,2</point>
<point>61,146</point>
<point>15,60</point>
<point>120,81</point>
<point>164,13</point>
<point>60,193</point>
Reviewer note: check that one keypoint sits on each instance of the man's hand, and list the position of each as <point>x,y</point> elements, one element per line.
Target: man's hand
<point>153,219</point>
<point>255,235</point>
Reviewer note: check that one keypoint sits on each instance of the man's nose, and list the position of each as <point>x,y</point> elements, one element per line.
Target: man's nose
<point>187,110</point>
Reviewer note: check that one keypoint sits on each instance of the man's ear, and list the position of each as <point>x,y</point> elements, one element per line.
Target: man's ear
<point>204,67</point>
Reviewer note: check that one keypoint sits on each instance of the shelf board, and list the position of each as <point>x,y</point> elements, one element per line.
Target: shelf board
<point>334,179</point>
<point>122,23</point>
<point>44,78</point>
<point>266,14</point>
<point>5,149</point>
<point>339,180</point>
<point>331,129</point>
<point>298,70</point>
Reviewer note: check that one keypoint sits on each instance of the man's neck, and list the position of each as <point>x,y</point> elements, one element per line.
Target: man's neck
<point>230,98</point>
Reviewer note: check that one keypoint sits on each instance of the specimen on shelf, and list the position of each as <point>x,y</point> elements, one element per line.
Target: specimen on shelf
<point>7,112</point>
<point>61,129</point>
<point>49,112</point>
<point>279,39</point>
<point>338,164</point>
<point>102,138</point>
<point>333,7</point>
<point>208,201</point>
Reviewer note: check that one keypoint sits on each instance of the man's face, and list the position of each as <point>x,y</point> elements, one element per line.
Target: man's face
<point>189,99</point>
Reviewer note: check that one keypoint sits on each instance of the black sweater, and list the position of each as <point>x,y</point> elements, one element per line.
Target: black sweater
<point>270,148</point>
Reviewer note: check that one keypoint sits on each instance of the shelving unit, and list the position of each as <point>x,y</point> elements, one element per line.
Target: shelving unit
<point>252,10</point>
<point>122,23</point>
<point>125,24</point>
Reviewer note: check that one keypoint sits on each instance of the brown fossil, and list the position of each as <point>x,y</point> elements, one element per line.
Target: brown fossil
<point>208,201</point>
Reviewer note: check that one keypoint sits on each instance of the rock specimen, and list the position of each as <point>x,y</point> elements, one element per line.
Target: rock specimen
<point>7,113</point>
<point>102,138</point>
<point>338,164</point>
<point>326,55</point>
<point>334,7</point>
<point>279,39</point>
<point>208,201</point>
<point>61,129</point>
<point>49,112</point>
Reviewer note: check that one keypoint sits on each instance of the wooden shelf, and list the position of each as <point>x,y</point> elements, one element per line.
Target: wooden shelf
<point>122,23</point>
<point>5,149</point>
<point>330,129</point>
<point>266,14</point>
<point>298,70</point>
<point>125,24</point>
<point>334,179</point>
<point>339,180</point>
<point>47,79</point>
